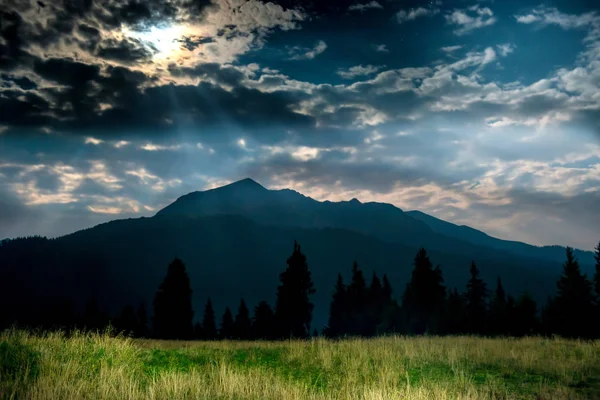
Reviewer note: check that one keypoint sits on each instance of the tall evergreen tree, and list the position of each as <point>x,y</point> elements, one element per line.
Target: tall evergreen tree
<point>263,322</point>
<point>293,309</point>
<point>454,314</point>
<point>597,291</point>
<point>498,323</point>
<point>424,297</point>
<point>209,326</point>
<point>375,306</point>
<point>173,304</point>
<point>242,324</point>
<point>226,330</point>
<point>337,310</point>
<point>574,300</point>
<point>357,303</point>
<point>127,322</point>
<point>198,333</point>
<point>524,316</point>
<point>476,307</point>
<point>142,317</point>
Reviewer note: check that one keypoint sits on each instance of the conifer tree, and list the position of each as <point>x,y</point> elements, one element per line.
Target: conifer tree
<point>574,300</point>
<point>142,317</point>
<point>337,310</point>
<point>127,322</point>
<point>226,329</point>
<point>293,309</point>
<point>356,301</point>
<point>242,324</point>
<point>198,334</point>
<point>454,314</point>
<point>498,312</point>
<point>597,274</point>
<point>209,327</point>
<point>476,307</point>
<point>173,304</point>
<point>375,305</point>
<point>263,322</point>
<point>525,316</point>
<point>424,297</point>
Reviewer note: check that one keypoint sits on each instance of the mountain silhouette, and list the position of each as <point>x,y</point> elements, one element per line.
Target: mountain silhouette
<point>235,240</point>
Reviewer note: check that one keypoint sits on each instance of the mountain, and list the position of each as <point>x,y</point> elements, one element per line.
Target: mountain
<point>235,240</point>
<point>471,235</point>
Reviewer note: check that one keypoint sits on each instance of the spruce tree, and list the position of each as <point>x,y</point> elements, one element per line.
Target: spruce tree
<point>226,329</point>
<point>375,305</point>
<point>242,324</point>
<point>574,300</point>
<point>127,322</point>
<point>357,302</point>
<point>476,307</point>
<point>424,297</point>
<point>597,292</point>
<point>209,327</point>
<point>525,316</point>
<point>263,322</point>
<point>337,310</point>
<point>173,304</point>
<point>498,315</point>
<point>142,317</point>
<point>293,309</point>
<point>454,314</point>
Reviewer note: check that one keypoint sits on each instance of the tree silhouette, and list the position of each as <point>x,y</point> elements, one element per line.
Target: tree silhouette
<point>476,295</point>
<point>375,306</point>
<point>293,309</point>
<point>209,327</point>
<point>337,310</point>
<point>524,316</point>
<point>173,304</point>
<point>242,324</point>
<point>424,297</point>
<point>93,318</point>
<point>498,321</point>
<point>226,329</point>
<point>597,273</point>
<point>198,333</point>
<point>142,318</point>
<point>357,303</point>
<point>127,322</point>
<point>454,316</point>
<point>574,300</point>
<point>263,322</point>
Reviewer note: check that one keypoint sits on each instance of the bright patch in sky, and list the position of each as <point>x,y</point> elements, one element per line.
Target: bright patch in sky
<point>165,40</point>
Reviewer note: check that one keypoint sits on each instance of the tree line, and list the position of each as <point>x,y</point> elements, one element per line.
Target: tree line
<point>369,308</point>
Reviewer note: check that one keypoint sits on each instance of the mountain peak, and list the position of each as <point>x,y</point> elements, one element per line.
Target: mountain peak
<point>246,183</point>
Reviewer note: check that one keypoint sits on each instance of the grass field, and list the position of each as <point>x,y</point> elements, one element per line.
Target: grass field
<point>91,366</point>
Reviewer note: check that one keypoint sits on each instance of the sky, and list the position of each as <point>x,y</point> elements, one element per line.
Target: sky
<point>483,113</point>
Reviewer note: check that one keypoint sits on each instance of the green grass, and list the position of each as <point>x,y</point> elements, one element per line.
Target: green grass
<point>89,366</point>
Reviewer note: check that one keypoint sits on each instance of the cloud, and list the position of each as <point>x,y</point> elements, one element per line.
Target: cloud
<point>505,49</point>
<point>364,7</point>
<point>551,16</point>
<point>480,17</point>
<point>381,48</point>
<point>412,14</point>
<point>303,53</point>
<point>451,49</point>
<point>358,70</point>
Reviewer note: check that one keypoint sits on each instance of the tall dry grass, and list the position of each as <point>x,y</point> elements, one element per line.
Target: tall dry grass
<point>95,366</point>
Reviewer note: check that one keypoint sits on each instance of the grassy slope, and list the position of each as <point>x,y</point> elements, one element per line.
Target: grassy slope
<point>101,367</point>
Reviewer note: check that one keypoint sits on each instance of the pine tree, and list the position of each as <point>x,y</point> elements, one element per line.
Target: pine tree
<point>173,304</point>
<point>209,327</point>
<point>226,329</point>
<point>127,322</point>
<point>357,302</point>
<point>597,273</point>
<point>525,316</point>
<point>423,299</point>
<point>375,305</point>
<point>574,300</point>
<point>242,324</point>
<point>142,317</point>
<point>454,314</point>
<point>476,307</point>
<point>263,322</point>
<point>293,309</point>
<point>498,315</point>
<point>337,310</point>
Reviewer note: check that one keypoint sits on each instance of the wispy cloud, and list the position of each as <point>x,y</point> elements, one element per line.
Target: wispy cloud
<point>471,18</point>
<point>363,7</point>
<point>303,53</point>
<point>358,70</point>
<point>414,13</point>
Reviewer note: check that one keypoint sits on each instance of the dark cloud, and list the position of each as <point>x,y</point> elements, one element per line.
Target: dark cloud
<point>126,51</point>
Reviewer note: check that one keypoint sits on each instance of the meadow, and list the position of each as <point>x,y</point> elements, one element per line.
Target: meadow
<point>102,366</point>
